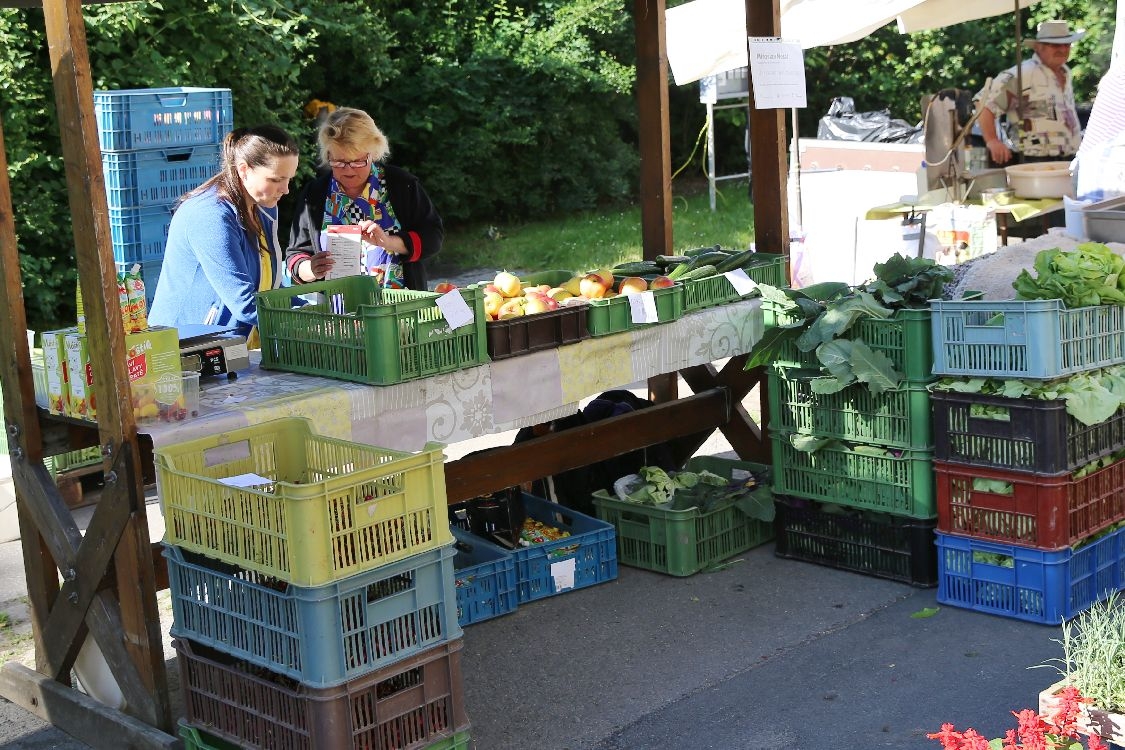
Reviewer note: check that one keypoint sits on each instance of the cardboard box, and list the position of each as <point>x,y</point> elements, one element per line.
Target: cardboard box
<point>54,365</point>
<point>152,359</point>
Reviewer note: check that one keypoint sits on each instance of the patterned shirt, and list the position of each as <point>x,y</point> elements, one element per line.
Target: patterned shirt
<point>1050,125</point>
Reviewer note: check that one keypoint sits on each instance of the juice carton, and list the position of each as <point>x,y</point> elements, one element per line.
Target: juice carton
<point>137,319</point>
<point>123,301</point>
<point>81,373</point>
<point>153,358</point>
<point>54,365</point>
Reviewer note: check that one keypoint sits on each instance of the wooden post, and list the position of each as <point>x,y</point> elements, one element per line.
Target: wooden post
<point>109,580</point>
<point>768,147</point>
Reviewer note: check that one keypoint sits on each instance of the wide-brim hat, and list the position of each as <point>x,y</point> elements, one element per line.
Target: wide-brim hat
<point>1055,32</point>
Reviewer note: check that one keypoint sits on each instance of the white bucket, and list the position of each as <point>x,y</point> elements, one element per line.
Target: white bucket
<point>1075,217</point>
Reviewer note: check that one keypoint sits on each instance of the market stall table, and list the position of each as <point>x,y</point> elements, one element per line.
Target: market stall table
<point>504,395</point>
<point>1021,209</point>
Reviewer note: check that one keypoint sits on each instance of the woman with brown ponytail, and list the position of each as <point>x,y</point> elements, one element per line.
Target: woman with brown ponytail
<point>222,243</point>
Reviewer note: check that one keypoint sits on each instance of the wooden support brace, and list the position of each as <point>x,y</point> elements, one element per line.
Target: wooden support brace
<point>484,473</point>
<point>79,715</point>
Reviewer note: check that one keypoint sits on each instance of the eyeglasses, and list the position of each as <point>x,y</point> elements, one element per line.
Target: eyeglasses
<point>357,164</point>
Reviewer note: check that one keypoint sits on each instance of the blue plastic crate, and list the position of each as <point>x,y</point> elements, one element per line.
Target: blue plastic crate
<point>1025,583</point>
<point>320,635</point>
<point>1039,339</point>
<point>159,176</point>
<point>155,118</point>
<point>543,570</point>
<point>485,578</point>
<point>139,233</point>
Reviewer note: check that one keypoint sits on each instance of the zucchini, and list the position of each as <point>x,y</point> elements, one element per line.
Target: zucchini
<point>701,272</point>
<point>701,250</point>
<point>734,261</point>
<point>679,271</point>
<point>636,268</point>
<point>669,260</point>
<point>711,259</point>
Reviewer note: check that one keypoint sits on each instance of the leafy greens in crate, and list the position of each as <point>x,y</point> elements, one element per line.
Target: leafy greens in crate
<point>821,315</point>
<point>1090,274</point>
<point>683,490</point>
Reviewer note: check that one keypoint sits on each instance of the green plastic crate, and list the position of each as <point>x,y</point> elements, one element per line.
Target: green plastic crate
<point>196,739</point>
<point>613,315</point>
<point>899,418</point>
<point>361,332</point>
<point>77,459</point>
<point>459,741</point>
<point>684,542</point>
<point>906,338</point>
<point>762,268</point>
<point>902,485</point>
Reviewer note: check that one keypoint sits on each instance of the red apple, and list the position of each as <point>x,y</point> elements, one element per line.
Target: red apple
<point>444,287</point>
<point>512,308</point>
<point>606,275</point>
<point>632,285</point>
<point>661,282</point>
<point>537,304</point>
<point>592,286</point>
<point>492,303</point>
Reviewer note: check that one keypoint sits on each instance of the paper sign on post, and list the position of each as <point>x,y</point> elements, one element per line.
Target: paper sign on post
<point>742,283</point>
<point>345,245</point>
<point>563,574</point>
<point>642,308</point>
<point>777,68</point>
<point>454,309</point>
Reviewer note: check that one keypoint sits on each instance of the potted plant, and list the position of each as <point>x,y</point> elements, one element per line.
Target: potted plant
<point>1093,661</point>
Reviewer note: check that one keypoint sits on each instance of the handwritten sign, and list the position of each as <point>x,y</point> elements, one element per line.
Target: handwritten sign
<point>777,69</point>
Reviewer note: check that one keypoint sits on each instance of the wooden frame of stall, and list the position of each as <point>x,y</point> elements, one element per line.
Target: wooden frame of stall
<point>103,583</point>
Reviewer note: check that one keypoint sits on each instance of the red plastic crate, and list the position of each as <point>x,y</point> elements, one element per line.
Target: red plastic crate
<point>409,705</point>
<point>1045,512</point>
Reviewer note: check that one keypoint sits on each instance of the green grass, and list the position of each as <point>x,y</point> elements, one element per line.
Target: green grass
<point>602,237</point>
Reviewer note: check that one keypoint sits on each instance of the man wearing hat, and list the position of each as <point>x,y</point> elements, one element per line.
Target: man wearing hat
<point>1041,124</point>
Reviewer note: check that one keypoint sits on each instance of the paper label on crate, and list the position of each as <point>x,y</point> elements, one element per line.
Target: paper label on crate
<point>345,245</point>
<point>742,283</point>
<point>246,480</point>
<point>642,308</point>
<point>454,309</point>
<point>563,573</point>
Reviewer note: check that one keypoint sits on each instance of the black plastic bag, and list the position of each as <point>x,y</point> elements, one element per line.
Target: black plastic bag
<point>575,488</point>
<point>843,123</point>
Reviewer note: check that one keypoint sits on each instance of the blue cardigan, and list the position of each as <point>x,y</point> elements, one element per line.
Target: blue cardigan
<point>211,267</point>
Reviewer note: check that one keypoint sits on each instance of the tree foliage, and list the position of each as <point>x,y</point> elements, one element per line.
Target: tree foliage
<point>505,108</point>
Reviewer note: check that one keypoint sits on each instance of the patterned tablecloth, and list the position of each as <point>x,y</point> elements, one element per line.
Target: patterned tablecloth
<point>504,395</point>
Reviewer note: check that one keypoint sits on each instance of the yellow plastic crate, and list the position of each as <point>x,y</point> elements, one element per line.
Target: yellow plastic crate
<point>325,508</point>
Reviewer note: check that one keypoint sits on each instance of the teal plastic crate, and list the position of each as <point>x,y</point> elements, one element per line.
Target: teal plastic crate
<point>906,338</point>
<point>1028,584</point>
<point>485,578</point>
<point>684,542</point>
<point>614,315</point>
<point>898,418</point>
<point>546,569</point>
<point>366,334</point>
<point>178,116</point>
<point>319,635</point>
<point>901,484</point>
<point>157,177</point>
<point>1035,339</point>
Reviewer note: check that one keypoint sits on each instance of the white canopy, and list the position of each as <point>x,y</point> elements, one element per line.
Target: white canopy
<point>705,37</point>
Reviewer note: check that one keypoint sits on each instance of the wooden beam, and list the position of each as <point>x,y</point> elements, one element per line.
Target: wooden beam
<point>767,147</point>
<point>741,431</point>
<point>79,715</point>
<point>652,111</point>
<point>482,473</point>
<point>139,622</point>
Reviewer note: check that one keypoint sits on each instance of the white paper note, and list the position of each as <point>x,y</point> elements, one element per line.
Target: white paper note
<point>345,244</point>
<point>563,573</point>
<point>454,309</point>
<point>742,283</point>
<point>246,480</point>
<point>642,308</point>
<point>777,68</point>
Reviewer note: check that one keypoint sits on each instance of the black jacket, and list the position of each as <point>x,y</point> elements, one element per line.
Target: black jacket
<point>422,228</point>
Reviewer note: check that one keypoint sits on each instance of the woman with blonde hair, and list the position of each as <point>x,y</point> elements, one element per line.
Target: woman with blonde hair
<point>356,187</point>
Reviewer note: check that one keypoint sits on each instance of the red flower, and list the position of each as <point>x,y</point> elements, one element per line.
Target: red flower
<point>1056,729</point>
<point>1096,743</point>
<point>950,739</point>
<point>973,740</point>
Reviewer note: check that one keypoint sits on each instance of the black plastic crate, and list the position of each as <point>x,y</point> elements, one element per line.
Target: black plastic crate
<point>1024,434</point>
<point>868,542</point>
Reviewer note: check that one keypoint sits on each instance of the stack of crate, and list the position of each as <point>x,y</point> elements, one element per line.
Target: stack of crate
<point>1030,500</point>
<point>313,593</point>
<point>863,498</point>
<point>156,145</point>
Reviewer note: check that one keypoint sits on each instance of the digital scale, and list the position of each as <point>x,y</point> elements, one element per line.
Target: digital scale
<point>212,350</point>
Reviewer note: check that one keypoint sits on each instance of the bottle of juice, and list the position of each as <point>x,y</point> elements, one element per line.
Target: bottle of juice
<point>138,305</point>
<point>79,308</point>
<point>123,303</point>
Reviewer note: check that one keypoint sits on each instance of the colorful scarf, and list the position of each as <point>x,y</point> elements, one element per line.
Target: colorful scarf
<point>372,204</point>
